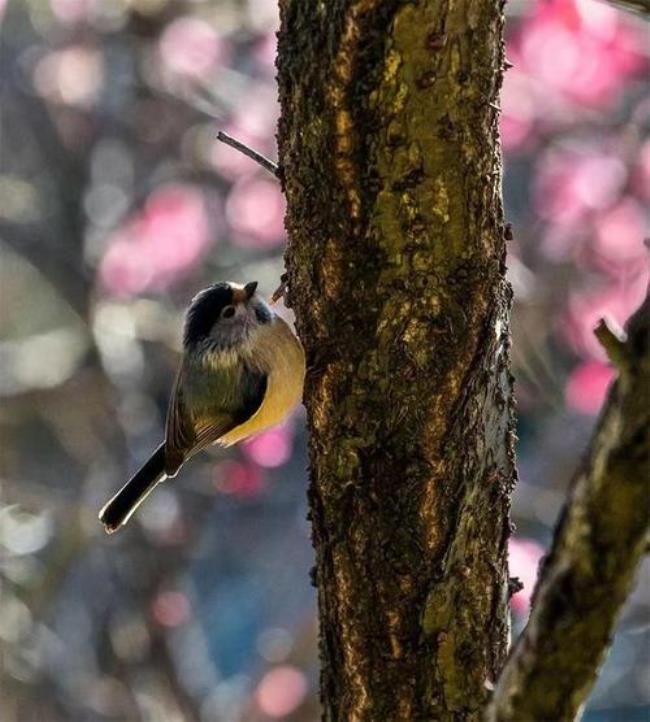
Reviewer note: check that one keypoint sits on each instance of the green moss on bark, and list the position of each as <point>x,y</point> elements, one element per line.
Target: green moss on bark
<point>390,161</point>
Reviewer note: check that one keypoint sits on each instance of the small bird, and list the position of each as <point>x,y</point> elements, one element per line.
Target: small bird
<point>242,371</point>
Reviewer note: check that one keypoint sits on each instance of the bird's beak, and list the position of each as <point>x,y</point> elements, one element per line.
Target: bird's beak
<point>249,289</point>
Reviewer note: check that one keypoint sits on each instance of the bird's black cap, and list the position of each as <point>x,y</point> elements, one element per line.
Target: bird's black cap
<point>204,311</point>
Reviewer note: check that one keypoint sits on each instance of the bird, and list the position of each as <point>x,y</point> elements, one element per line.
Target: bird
<point>242,371</point>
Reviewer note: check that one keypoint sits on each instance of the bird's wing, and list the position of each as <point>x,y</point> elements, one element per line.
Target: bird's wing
<point>227,400</point>
<point>180,436</point>
<point>250,396</point>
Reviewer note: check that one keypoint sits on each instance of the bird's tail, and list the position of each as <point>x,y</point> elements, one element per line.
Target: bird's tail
<point>119,509</point>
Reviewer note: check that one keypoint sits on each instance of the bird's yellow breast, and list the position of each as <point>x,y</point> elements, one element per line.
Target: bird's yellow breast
<point>276,351</point>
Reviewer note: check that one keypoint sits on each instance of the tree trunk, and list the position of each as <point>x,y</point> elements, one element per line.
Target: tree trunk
<point>391,166</point>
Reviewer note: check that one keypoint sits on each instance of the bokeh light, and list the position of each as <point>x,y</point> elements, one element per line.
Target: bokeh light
<point>118,205</point>
<point>162,242</point>
<point>280,691</point>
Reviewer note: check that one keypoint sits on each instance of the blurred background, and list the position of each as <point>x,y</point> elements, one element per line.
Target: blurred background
<point>117,205</point>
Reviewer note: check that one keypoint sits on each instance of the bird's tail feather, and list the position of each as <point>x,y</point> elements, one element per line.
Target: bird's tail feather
<point>119,509</point>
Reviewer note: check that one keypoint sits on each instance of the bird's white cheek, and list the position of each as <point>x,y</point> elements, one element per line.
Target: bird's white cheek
<point>228,332</point>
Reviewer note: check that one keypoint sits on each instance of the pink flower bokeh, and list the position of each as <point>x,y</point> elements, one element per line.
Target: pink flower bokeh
<point>271,448</point>
<point>281,690</point>
<point>72,11</point>
<point>570,56</point>
<point>171,608</point>
<point>590,217</point>
<point>265,51</point>
<point>158,244</point>
<point>524,555</point>
<point>255,212</point>
<point>587,386</point>
<point>580,48</point>
<point>586,308</point>
<point>571,182</point>
<point>191,48</point>
<point>238,478</point>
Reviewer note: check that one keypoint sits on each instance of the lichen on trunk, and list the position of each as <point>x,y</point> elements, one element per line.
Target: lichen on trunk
<point>390,163</point>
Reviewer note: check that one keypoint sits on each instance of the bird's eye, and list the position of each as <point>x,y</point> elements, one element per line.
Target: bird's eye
<point>228,312</point>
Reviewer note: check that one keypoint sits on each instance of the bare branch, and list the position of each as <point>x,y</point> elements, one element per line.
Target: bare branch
<point>599,541</point>
<point>267,164</point>
<point>612,339</point>
<point>641,7</point>
<point>281,290</point>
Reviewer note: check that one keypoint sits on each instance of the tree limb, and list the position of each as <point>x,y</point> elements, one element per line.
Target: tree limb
<point>598,544</point>
<point>641,7</point>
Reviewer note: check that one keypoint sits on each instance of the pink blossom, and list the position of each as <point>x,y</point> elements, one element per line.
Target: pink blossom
<point>72,76</point>
<point>72,11</point>
<point>259,110</point>
<point>171,608</point>
<point>281,691</point>
<point>191,47</point>
<point>581,49</point>
<point>568,55</point>
<point>271,448</point>
<point>619,236</point>
<point>564,242</point>
<point>255,211</point>
<point>587,386</point>
<point>160,243</point>
<point>265,51</point>
<point>238,479</point>
<point>524,555</point>
<point>570,183</point>
<point>518,106</point>
<point>617,301</point>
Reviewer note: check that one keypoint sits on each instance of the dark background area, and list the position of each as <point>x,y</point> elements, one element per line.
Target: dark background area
<point>117,204</point>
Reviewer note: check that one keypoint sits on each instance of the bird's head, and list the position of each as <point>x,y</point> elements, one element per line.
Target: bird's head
<point>224,315</point>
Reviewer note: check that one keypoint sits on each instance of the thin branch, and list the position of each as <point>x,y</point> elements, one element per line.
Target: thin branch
<point>281,290</point>
<point>612,339</point>
<point>267,164</point>
<point>272,168</point>
<point>598,544</point>
<point>642,7</point>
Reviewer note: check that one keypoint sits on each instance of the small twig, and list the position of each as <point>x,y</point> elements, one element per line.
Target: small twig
<point>281,290</point>
<point>515,585</point>
<point>612,338</point>
<point>267,164</point>
<point>270,166</point>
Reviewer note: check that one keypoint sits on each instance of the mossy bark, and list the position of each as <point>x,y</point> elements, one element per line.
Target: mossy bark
<point>600,540</point>
<point>391,166</point>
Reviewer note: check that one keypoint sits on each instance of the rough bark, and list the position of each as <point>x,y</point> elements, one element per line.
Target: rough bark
<point>391,167</point>
<point>597,548</point>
